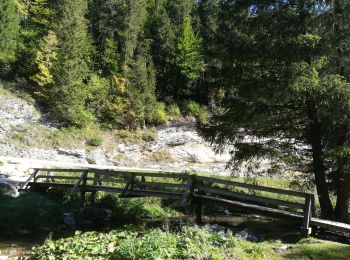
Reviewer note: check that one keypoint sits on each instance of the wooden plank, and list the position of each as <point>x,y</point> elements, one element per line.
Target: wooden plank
<point>52,184</point>
<point>160,184</point>
<point>25,185</point>
<point>57,177</point>
<point>330,225</point>
<point>162,175</point>
<point>252,186</point>
<point>246,207</point>
<point>75,178</point>
<point>249,197</point>
<point>116,172</point>
<point>155,193</point>
<point>82,177</point>
<point>75,170</point>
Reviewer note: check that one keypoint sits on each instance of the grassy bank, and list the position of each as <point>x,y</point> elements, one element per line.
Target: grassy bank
<point>143,228</point>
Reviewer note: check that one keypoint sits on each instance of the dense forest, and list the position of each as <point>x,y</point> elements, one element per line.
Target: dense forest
<point>276,70</point>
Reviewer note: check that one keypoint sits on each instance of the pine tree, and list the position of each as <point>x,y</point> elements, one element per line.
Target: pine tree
<point>45,58</point>
<point>9,30</point>
<point>189,59</point>
<point>72,66</point>
<point>278,83</point>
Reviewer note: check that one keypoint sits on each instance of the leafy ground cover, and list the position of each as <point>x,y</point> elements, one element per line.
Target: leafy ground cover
<point>191,242</point>
<point>133,235</point>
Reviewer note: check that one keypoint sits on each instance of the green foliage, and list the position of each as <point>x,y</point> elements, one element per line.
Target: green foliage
<point>189,47</point>
<point>194,109</point>
<point>297,93</point>
<point>189,243</point>
<point>96,141</point>
<point>29,211</point>
<point>72,66</point>
<point>158,115</point>
<point>123,134</point>
<point>173,112</point>
<point>9,30</point>
<point>162,156</point>
<point>149,135</point>
<point>45,57</point>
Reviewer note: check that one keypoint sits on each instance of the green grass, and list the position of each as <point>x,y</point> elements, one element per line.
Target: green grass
<point>312,248</point>
<point>30,211</point>
<point>15,90</point>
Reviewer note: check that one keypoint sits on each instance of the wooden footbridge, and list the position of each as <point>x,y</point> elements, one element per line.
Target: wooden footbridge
<point>192,191</point>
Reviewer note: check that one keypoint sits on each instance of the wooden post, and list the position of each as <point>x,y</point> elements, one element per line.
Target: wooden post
<point>187,197</point>
<point>47,175</point>
<point>93,193</point>
<point>129,186</point>
<point>307,214</point>
<point>82,189</point>
<point>198,204</point>
<point>313,206</point>
<point>143,179</point>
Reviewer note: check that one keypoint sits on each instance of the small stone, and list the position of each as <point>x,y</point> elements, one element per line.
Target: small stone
<point>242,234</point>
<point>284,247</point>
<point>69,219</point>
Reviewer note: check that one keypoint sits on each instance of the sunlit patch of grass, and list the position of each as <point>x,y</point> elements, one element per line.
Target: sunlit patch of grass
<point>312,248</point>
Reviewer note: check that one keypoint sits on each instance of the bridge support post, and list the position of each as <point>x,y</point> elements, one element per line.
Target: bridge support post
<point>307,215</point>
<point>198,204</point>
<point>82,190</point>
<point>187,197</point>
<point>93,194</point>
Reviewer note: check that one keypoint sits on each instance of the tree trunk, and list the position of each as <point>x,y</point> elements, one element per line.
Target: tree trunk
<point>343,192</point>
<point>327,210</point>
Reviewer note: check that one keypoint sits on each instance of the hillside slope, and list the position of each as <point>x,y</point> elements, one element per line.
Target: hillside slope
<point>26,133</point>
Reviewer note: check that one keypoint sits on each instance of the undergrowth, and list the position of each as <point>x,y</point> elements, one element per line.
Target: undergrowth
<point>191,242</point>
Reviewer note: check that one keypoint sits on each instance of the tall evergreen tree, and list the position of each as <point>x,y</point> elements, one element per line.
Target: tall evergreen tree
<point>9,30</point>
<point>277,85</point>
<point>189,59</point>
<point>71,69</point>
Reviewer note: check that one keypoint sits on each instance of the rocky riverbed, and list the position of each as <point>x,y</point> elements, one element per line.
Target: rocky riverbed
<point>176,147</point>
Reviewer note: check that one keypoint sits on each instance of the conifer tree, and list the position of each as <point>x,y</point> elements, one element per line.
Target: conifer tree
<point>189,58</point>
<point>72,66</point>
<point>9,30</point>
<point>278,83</point>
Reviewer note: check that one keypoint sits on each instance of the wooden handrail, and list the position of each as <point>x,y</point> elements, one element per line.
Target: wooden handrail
<point>196,187</point>
<point>252,186</point>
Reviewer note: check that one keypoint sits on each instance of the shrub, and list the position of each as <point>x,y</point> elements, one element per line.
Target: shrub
<point>173,111</point>
<point>158,116</point>
<point>189,243</point>
<point>81,118</point>
<point>192,108</point>
<point>161,156</point>
<point>96,141</point>
<point>149,135</point>
<point>123,134</point>
<point>29,211</point>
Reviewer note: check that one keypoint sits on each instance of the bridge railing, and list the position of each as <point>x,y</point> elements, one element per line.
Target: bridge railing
<point>192,190</point>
